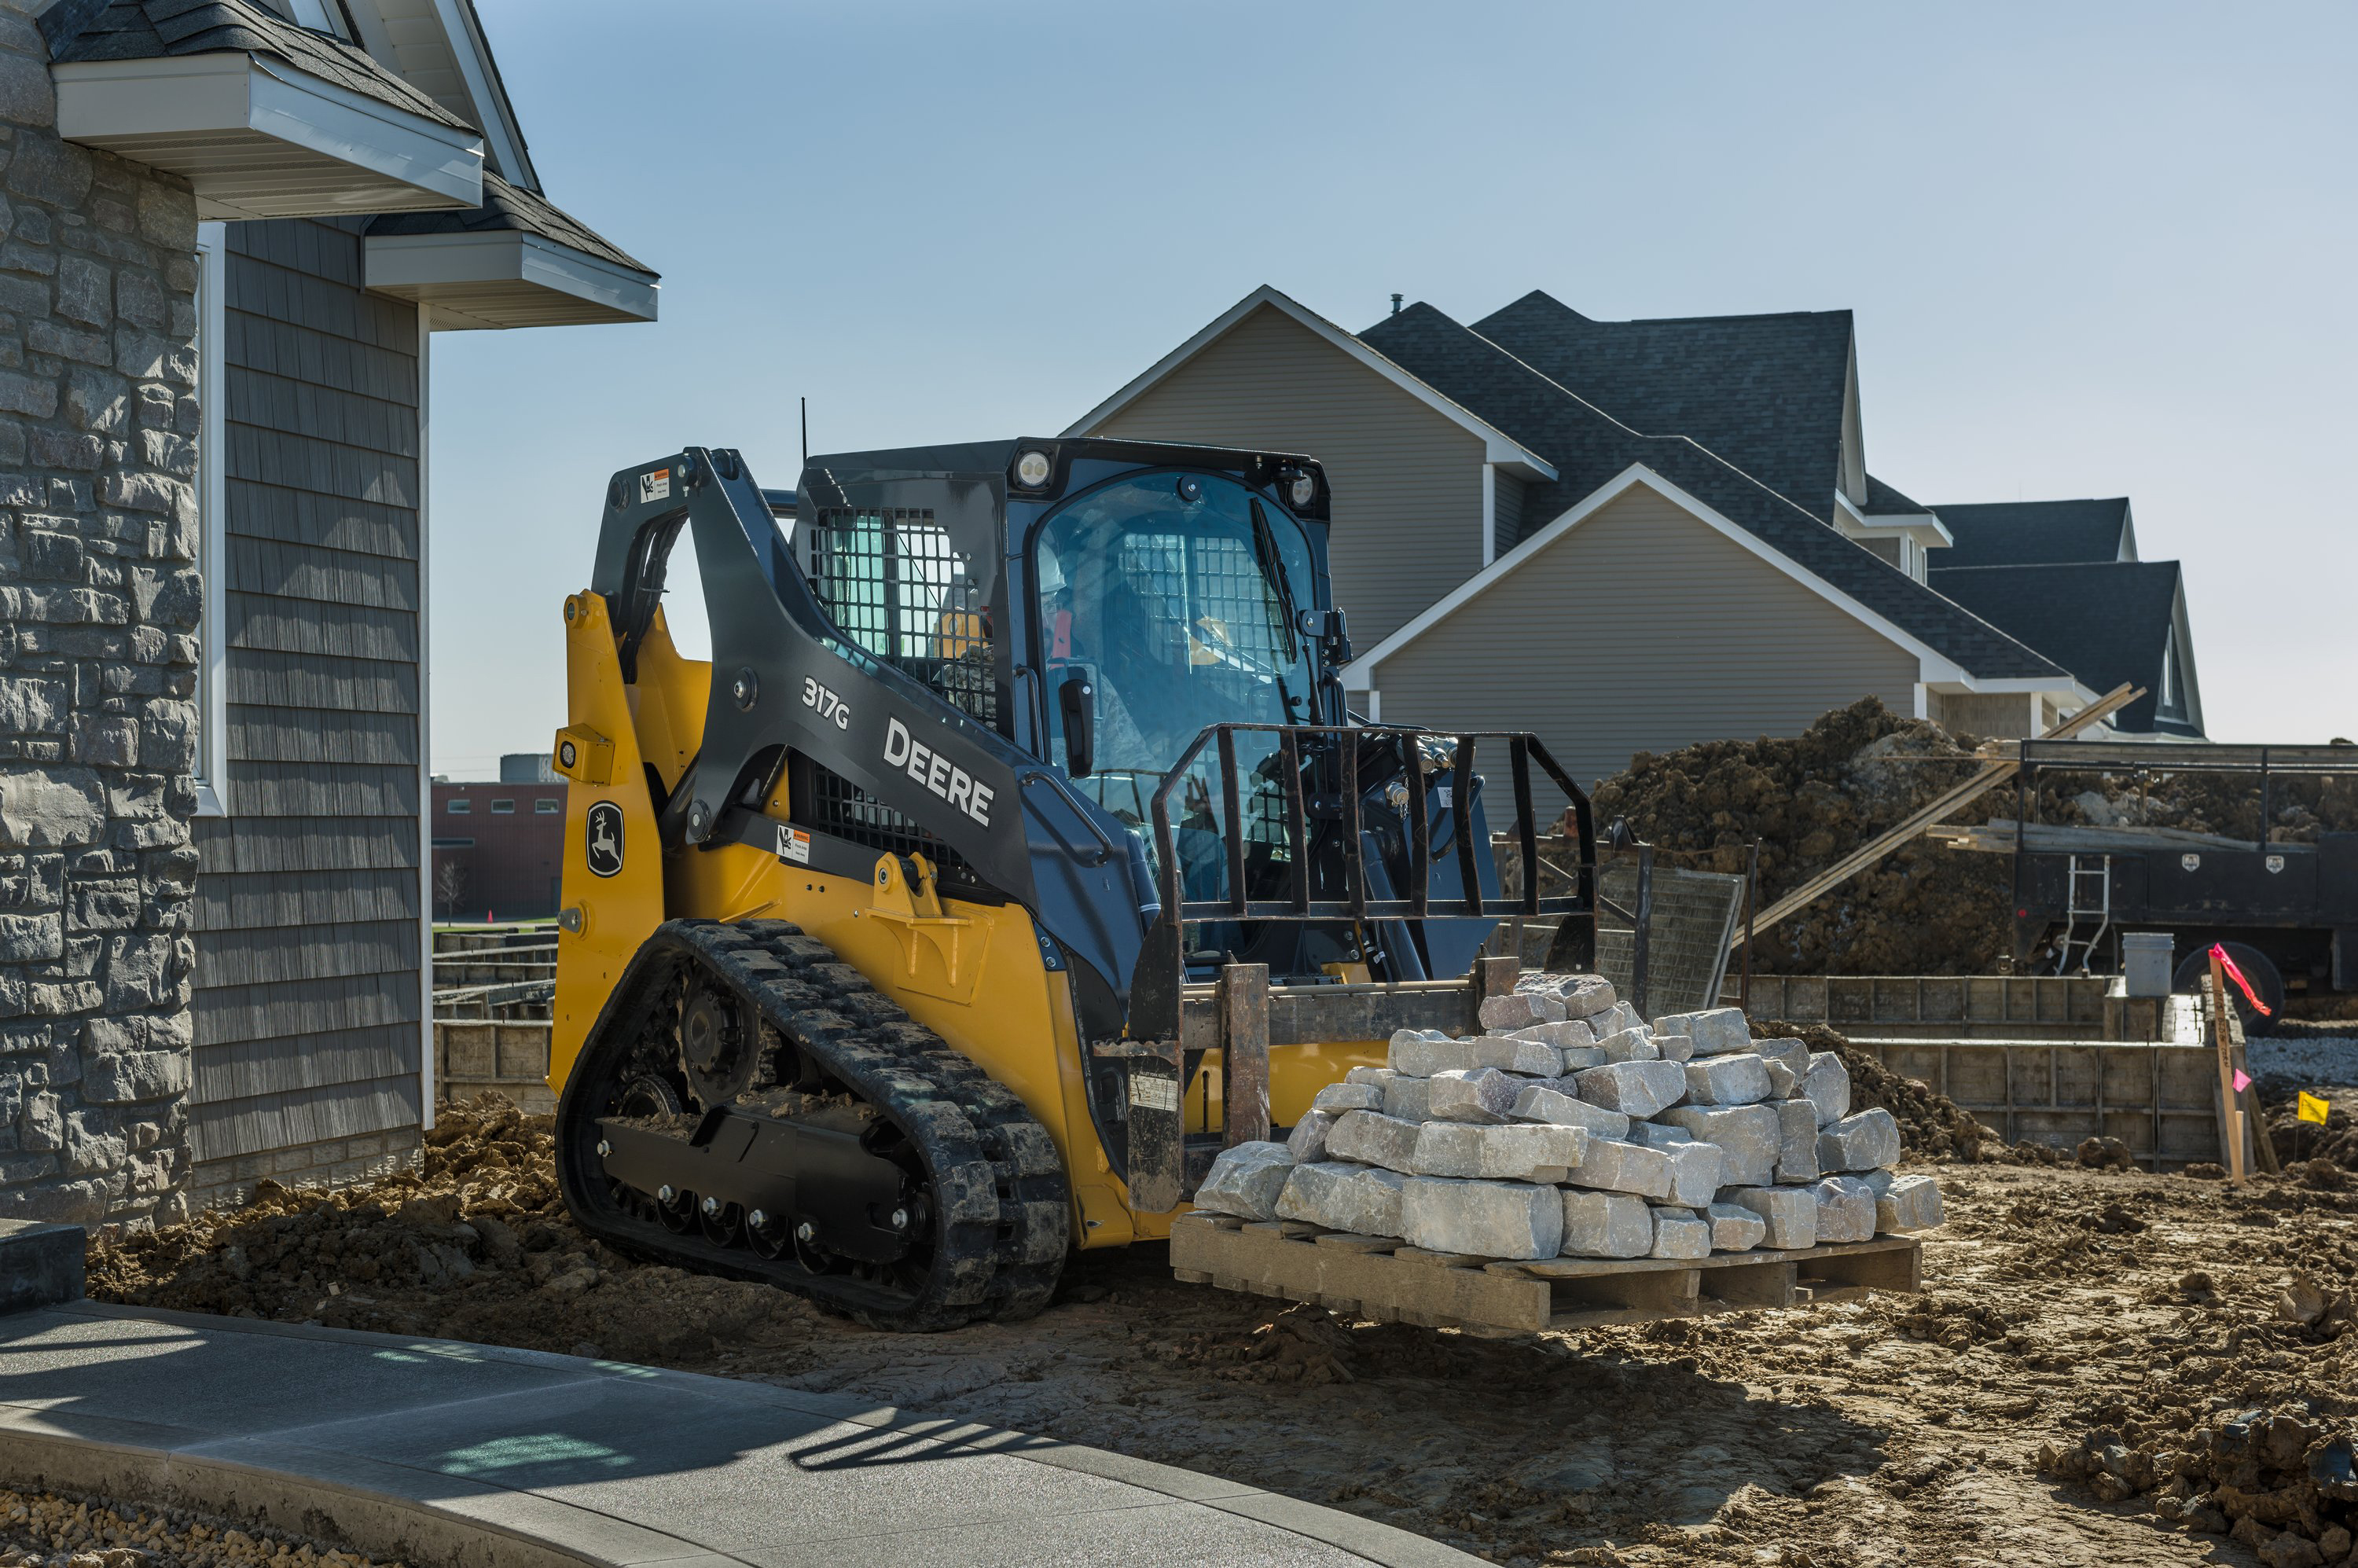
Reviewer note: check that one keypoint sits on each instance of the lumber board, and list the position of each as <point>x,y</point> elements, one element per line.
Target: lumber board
<point>1388,1281</point>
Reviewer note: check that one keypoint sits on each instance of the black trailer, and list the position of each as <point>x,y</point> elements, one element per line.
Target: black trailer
<point>2286,912</point>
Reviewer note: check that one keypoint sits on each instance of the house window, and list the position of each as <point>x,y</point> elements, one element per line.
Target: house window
<point>504,808</point>
<point>213,526</point>
<point>544,806</point>
<point>2168,700</point>
<point>459,805</point>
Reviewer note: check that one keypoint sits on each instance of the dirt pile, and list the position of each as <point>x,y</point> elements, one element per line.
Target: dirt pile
<point>474,1245</point>
<point>1931,1125</point>
<point>2333,1145</point>
<point>1924,910</point>
<point>45,1530</point>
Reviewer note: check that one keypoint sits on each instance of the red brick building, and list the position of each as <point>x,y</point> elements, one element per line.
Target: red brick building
<point>497,849</point>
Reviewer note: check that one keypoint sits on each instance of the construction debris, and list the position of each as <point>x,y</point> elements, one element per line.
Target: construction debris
<point>48,1530</point>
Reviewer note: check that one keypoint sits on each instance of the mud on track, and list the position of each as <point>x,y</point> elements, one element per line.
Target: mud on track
<point>2085,1313</point>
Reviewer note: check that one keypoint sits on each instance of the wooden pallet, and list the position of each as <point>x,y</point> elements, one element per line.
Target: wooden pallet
<point>1387,1280</point>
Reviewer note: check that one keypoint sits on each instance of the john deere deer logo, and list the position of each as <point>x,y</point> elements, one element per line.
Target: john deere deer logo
<point>602,846</point>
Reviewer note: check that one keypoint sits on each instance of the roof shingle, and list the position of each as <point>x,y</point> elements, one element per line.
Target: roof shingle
<point>2106,621</point>
<point>1589,448</point>
<point>511,207</point>
<point>2034,533</point>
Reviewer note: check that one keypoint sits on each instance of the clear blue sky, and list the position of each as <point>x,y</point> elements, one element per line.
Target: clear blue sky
<point>2093,250</point>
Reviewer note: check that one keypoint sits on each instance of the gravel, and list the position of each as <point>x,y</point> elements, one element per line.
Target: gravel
<point>52,1530</point>
<point>2308,1062</point>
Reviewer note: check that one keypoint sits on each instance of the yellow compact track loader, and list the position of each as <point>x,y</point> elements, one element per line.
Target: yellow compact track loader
<point>1013,852</point>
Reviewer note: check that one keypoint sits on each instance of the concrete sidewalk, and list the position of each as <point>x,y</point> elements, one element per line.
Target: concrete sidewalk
<point>444,1452</point>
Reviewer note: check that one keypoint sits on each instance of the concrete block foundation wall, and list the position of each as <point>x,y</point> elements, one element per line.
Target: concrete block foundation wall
<point>99,613</point>
<point>337,1161</point>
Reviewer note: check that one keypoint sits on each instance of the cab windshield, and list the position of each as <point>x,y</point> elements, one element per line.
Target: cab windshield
<point>1178,594</point>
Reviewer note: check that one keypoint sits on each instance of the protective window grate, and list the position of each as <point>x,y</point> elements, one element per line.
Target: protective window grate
<point>890,578</point>
<point>827,801</point>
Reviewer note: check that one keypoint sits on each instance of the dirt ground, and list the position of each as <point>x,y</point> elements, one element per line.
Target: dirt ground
<point>2103,1324</point>
<point>44,1530</point>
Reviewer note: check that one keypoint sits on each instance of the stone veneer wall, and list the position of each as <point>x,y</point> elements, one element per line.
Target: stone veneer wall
<point>99,616</point>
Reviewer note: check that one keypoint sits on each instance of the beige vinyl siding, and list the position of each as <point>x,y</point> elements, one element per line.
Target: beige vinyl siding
<point>1509,507</point>
<point>1643,629</point>
<point>2002,714</point>
<point>1407,481</point>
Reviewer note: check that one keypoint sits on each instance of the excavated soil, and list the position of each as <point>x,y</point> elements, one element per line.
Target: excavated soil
<point>2130,1318</point>
<point>1925,910</point>
<point>48,1530</point>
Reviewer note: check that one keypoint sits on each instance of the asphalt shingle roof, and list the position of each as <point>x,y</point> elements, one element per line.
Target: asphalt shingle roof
<point>1764,392</point>
<point>157,29</point>
<point>508,206</point>
<point>1883,501</point>
<point>2034,533</point>
<point>1589,448</point>
<point>2106,621</point>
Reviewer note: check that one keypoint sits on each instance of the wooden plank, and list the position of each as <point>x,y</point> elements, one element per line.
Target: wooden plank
<point>1244,1053</point>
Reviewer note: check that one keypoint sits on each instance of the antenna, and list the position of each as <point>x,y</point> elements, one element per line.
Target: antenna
<point>805,432</point>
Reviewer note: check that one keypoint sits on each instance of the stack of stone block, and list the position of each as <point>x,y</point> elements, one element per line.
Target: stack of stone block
<point>1571,1127</point>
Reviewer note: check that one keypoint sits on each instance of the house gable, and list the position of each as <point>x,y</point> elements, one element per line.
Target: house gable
<point>1638,625</point>
<point>1408,477</point>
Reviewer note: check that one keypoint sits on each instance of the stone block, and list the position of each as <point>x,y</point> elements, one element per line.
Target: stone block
<point>1740,1078</point>
<point>1307,1141</point>
<point>41,1264</point>
<point>1797,1141</point>
<point>1570,1033</point>
<point>1539,1102</point>
<point>1614,1020</point>
<point>1734,1229</point>
<point>1716,1031</point>
<point>1507,1053</point>
<point>1246,1180</point>
<point>1607,1225</point>
<point>1379,1077</point>
<point>1338,1098</point>
<point>1791,1214</point>
<point>1520,1151</point>
<point>1859,1142</point>
<point>1747,1135</point>
<point>1783,1082</point>
<point>1488,1220</point>
<point>1657,1134</point>
<point>1694,1172</point>
<point>1585,996</point>
<point>1373,1140</point>
<point>1635,1043</point>
<point>1521,1010</point>
<point>1363,1199</point>
<point>1681,1233</point>
<point>1483,1094</point>
<point>1609,1166</point>
<point>1910,1203</point>
<point>1407,1098</point>
<point>1675,1047</point>
<point>1826,1085</point>
<point>1422,1052</point>
<point>1639,1089</point>
<point>1845,1209</point>
<point>1793,1052</point>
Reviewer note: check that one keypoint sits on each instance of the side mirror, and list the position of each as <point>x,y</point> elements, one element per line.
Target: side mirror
<point>1077,699</point>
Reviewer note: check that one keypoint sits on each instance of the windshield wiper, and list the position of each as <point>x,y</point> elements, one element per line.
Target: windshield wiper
<point>1274,570</point>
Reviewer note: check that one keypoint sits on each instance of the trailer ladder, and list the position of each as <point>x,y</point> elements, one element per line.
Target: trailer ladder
<point>2090,897</point>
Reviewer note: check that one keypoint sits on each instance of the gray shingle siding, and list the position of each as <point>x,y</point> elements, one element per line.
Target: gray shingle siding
<point>308,901</point>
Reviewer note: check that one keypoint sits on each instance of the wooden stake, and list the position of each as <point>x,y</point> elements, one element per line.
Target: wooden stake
<point>2230,1110</point>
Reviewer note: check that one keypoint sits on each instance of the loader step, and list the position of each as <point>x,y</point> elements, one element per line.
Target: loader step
<point>1387,1280</point>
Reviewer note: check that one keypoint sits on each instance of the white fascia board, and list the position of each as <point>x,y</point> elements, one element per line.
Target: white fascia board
<point>211,94</point>
<point>1921,526</point>
<point>1498,447</point>
<point>1934,667</point>
<point>492,112</point>
<point>416,266</point>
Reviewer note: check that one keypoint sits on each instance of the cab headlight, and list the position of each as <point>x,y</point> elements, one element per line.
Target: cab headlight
<point>1033,468</point>
<point>1302,491</point>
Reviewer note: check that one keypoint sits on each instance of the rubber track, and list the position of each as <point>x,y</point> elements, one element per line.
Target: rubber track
<point>1003,1207</point>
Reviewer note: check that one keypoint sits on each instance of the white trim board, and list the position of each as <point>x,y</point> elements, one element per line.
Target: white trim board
<point>1934,667</point>
<point>1927,529</point>
<point>537,270</point>
<point>258,139</point>
<point>424,727</point>
<point>212,521</point>
<point>1498,447</point>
